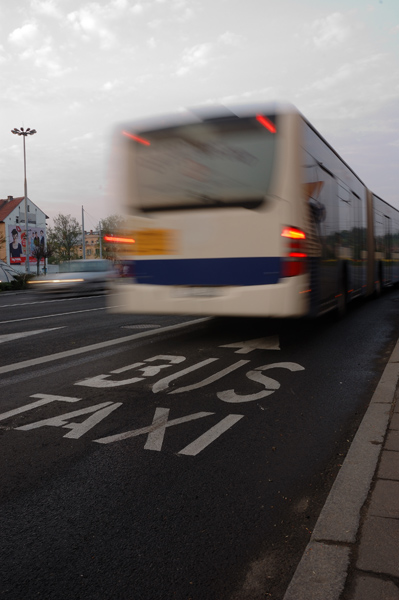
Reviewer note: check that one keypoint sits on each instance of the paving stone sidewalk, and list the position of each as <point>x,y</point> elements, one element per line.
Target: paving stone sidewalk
<point>353,552</point>
<point>376,566</point>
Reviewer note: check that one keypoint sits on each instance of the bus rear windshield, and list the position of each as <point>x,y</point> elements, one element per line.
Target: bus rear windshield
<point>220,164</point>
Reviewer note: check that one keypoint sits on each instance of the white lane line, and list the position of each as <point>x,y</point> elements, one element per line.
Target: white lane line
<point>136,336</point>
<point>15,336</point>
<point>48,301</point>
<point>73,312</point>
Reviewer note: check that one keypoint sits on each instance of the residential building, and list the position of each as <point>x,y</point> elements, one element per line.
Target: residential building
<point>92,244</point>
<point>13,231</point>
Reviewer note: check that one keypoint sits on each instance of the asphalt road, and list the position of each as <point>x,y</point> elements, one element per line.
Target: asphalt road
<point>167,457</point>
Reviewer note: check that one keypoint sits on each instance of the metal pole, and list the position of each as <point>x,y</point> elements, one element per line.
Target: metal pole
<point>101,242</point>
<point>27,265</point>
<point>83,234</point>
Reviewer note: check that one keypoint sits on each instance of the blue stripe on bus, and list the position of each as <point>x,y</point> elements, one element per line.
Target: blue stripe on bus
<point>209,271</point>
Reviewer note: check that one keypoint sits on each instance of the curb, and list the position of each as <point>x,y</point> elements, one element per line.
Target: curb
<point>323,569</point>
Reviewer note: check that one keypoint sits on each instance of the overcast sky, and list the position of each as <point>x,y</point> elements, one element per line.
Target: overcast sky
<point>72,69</point>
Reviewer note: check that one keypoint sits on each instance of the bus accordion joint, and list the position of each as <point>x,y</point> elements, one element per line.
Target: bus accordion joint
<point>118,240</point>
<point>294,260</point>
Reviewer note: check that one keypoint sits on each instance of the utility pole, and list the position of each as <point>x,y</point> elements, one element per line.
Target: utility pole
<point>101,241</point>
<point>83,234</point>
<point>24,133</point>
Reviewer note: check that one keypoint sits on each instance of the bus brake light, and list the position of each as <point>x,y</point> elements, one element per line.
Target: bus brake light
<point>118,240</point>
<point>294,260</point>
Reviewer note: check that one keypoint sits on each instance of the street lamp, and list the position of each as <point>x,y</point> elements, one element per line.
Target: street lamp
<point>24,133</point>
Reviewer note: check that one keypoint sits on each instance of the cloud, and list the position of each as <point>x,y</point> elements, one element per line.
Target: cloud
<point>120,4</point>
<point>347,72</point>
<point>330,31</point>
<point>75,107</point>
<point>152,43</point>
<point>87,22</point>
<point>83,138</point>
<point>23,35</point>
<point>46,7</point>
<point>137,9</point>
<point>110,85</point>
<point>231,39</point>
<point>194,57</point>
<point>155,23</point>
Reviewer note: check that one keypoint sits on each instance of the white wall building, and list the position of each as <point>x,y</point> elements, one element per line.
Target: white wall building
<point>13,229</point>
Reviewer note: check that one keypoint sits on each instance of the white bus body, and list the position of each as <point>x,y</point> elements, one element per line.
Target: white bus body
<point>248,213</point>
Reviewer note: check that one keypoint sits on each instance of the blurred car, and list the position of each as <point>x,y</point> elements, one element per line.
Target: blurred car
<point>7,273</point>
<point>77,277</point>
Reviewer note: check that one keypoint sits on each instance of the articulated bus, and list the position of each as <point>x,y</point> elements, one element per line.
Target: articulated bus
<point>246,212</point>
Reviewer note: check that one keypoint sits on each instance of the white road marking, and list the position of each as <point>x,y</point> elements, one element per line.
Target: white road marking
<point>268,343</point>
<point>127,368</point>
<point>79,429</point>
<point>15,336</point>
<point>163,384</point>
<point>212,378</point>
<point>256,375</point>
<point>72,312</point>
<point>80,298</point>
<point>159,422</point>
<point>45,399</point>
<point>62,420</point>
<point>85,349</point>
<point>101,381</point>
<point>210,436</point>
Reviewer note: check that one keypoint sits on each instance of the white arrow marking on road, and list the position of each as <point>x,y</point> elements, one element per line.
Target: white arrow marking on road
<point>9,337</point>
<point>269,343</point>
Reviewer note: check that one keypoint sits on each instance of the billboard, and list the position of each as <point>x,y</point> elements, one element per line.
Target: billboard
<point>18,243</point>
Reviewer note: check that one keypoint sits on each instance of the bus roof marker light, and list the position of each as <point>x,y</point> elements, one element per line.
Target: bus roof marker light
<point>136,138</point>
<point>266,123</point>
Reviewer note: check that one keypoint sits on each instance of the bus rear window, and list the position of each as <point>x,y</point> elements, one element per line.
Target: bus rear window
<point>214,163</point>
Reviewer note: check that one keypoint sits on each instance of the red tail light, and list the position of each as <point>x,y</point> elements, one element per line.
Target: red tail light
<point>294,259</point>
<point>118,240</point>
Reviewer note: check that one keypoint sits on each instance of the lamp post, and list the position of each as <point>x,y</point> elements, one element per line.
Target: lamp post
<point>24,133</point>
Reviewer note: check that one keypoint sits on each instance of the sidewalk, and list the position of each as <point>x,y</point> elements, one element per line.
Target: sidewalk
<point>376,560</point>
<point>353,553</point>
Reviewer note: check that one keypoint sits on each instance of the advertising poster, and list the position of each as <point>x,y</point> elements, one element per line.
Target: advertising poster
<point>18,243</point>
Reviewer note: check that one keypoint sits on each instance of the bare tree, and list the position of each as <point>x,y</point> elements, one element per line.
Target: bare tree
<point>40,252</point>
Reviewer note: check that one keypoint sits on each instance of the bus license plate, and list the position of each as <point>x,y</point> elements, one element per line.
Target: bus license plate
<point>155,242</point>
<point>197,292</point>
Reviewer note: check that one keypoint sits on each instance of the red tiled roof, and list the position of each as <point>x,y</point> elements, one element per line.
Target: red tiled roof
<point>6,207</point>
